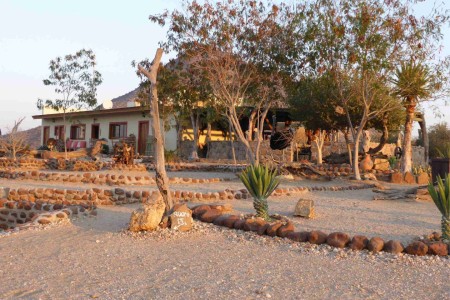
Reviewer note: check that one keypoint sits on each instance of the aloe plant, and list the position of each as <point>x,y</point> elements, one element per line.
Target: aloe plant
<point>260,182</point>
<point>441,197</point>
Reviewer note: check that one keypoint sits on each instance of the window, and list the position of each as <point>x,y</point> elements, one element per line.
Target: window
<point>59,133</point>
<point>95,131</point>
<point>77,132</point>
<point>117,130</point>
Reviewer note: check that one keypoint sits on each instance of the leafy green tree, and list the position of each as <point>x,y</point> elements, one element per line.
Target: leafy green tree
<point>75,80</point>
<point>238,46</point>
<point>439,137</point>
<point>362,42</point>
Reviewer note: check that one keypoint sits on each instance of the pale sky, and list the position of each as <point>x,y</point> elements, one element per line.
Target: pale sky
<point>32,32</point>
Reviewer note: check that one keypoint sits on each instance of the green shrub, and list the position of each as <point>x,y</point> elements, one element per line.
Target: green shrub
<point>260,182</point>
<point>105,149</point>
<point>441,198</point>
<point>171,156</point>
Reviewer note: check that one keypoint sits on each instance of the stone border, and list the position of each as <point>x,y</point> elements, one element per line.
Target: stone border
<point>285,229</point>
<point>108,179</point>
<point>118,196</point>
<point>23,214</point>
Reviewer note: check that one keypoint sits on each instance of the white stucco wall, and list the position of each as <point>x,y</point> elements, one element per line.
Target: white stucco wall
<point>132,120</point>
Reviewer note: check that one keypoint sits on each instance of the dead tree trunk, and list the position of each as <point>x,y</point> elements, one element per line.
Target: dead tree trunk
<point>162,181</point>
<point>425,140</point>
<point>319,140</point>
<point>195,127</point>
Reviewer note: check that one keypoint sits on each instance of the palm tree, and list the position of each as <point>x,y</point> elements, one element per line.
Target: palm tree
<point>412,83</point>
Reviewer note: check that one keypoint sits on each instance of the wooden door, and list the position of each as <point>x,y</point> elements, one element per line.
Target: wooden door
<point>46,135</point>
<point>142,136</point>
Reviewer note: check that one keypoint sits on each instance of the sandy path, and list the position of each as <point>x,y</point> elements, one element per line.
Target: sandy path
<point>89,259</point>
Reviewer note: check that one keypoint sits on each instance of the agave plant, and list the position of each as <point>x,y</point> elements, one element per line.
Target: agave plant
<point>441,197</point>
<point>260,182</point>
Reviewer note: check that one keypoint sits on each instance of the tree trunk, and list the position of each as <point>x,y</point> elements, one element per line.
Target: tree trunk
<point>425,140</point>
<point>356,153</point>
<point>407,149</point>
<point>208,132</point>
<point>260,133</point>
<point>230,132</point>
<point>251,125</point>
<point>319,140</point>
<point>194,120</point>
<point>383,139</point>
<point>233,118</point>
<point>349,148</point>
<point>162,181</point>
<point>179,137</point>
<point>65,142</point>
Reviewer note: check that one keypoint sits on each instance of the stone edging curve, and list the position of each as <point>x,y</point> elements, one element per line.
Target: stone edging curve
<point>285,229</point>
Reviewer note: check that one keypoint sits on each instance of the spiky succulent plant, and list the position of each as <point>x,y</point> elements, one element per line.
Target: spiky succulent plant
<point>260,182</point>
<point>441,197</point>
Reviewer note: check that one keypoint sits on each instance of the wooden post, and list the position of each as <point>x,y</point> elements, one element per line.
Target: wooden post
<point>162,181</point>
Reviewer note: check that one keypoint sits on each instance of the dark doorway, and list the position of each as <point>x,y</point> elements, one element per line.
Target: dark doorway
<point>142,138</point>
<point>95,131</point>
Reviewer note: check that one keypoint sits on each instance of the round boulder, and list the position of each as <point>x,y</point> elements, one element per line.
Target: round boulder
<point>417,248</point>
<point>285,229</point>
<point>375,244</point>
<point>359,242</point>
<point>317,237</point>
<point>439,248</point>
<point>338,239</point>
<point>394,247</point>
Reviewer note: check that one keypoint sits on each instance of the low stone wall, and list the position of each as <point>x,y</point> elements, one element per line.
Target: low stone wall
<point>118,196</point>
<point>418,152</point>
<point>25,213</point>
<point>100,179</point>
<point>223,150</point>
<point>22,163</point>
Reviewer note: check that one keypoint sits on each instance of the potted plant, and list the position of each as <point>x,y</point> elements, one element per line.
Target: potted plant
<point>441,164</point>
<point>441,197</point>
<point>260,182</point>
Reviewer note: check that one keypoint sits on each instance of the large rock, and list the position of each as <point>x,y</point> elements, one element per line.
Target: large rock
<point>366,164</point>
<point>210,215</point>
<point>423,178</point>
<point>359,242</point>
<point>409,178</point>
<point>254,224</point>
<point>200,210</point>
<point>417,248</point>
<point>272,228</point>
<point>229,222</point>
<point>181,218</point>
<point>375,244</point>
<point>338,239</point>
<point>304,208</point>
<point>381,164</point>
<point>317,237</point>
<point>439,248</point>
<point>285,229</point>
<point>298,236</point>
<point>147,218</point>
<point>394,247</point>
<point>396,177</point>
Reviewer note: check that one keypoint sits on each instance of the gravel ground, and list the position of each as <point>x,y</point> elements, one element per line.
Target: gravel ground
<point>93,257</point>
